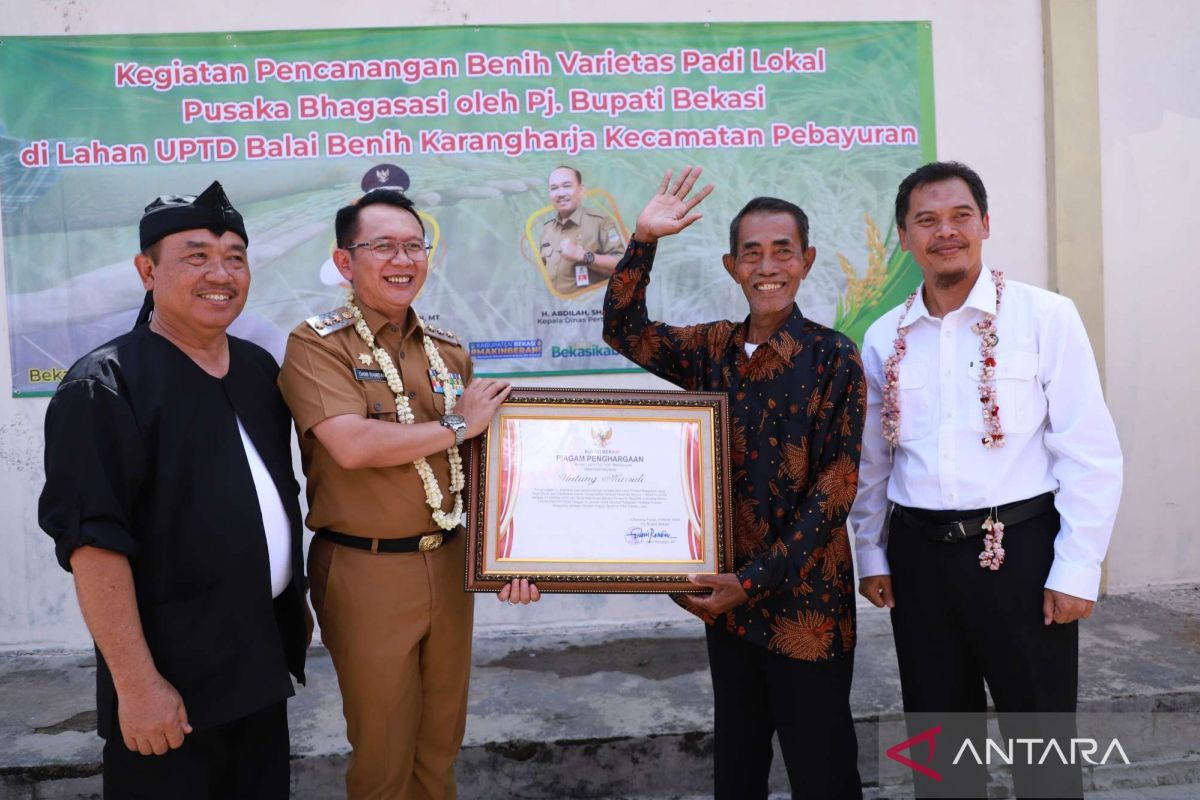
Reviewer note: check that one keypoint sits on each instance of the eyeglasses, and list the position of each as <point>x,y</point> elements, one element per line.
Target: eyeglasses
<point>386,249</point>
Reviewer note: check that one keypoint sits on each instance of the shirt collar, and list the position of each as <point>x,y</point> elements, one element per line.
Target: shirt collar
<point>982,297</point>
<point>576,217</point>
<point>983,293</point>
<point>793,325</point>
<point>376,321</point>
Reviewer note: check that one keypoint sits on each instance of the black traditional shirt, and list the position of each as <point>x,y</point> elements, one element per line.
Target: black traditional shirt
<point>797,407</point>
<point>144,458</point>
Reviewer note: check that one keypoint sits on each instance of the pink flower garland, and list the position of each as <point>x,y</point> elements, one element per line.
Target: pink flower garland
<point>993,552</point>
<point>890,416</point>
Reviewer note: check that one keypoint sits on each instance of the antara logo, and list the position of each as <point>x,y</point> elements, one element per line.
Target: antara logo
<point>1078,751</point>
<point>1030,751</point>
<point>930,736</point>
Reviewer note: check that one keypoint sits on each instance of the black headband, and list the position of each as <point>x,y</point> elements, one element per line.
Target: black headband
<point>210,210</point>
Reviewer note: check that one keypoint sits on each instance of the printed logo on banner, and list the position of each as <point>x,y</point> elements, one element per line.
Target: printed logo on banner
<point>506,348</point>
<point>583,351</point>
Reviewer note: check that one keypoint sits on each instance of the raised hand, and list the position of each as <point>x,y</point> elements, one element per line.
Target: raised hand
<point>572,250</point>
<point>670,209</point>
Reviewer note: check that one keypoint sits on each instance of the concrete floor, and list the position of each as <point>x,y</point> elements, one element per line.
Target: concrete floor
<point>603,713</point>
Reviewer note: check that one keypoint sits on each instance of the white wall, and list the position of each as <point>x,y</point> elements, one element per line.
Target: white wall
<point>989,96</point>
<point>1149,55</point>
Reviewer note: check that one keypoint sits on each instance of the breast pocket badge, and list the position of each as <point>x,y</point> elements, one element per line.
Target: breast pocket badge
<point>456,382</point>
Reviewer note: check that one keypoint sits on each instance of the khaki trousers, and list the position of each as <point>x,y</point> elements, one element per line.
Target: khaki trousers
<point>398,627</point>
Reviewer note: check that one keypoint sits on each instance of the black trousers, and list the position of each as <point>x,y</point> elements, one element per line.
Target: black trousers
<point>957,626</point>
<point>757,693</point>
<point>246,759</point>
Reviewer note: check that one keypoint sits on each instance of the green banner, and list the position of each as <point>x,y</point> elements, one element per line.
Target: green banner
<point>473,121</point>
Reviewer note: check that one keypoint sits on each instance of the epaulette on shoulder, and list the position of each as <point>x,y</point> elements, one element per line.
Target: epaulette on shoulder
<point>440,334</point>
<point>330,321</point>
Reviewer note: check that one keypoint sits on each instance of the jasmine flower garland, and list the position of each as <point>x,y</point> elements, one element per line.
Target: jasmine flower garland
<point>404,415</point>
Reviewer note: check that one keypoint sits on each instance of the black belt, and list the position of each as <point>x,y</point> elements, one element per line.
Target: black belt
<point>955,526</point>
<point>408,544</point>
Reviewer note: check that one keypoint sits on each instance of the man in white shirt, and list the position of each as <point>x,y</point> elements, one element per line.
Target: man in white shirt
<point>988,440</point>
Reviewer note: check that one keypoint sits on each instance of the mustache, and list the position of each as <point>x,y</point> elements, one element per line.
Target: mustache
<point>228,289</point>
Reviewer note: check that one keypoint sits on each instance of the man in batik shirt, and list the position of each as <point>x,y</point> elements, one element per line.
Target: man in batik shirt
<point>781,627</point>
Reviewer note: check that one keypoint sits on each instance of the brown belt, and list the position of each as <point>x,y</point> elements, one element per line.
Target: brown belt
<point>407,544</point>
<point>956,526</point>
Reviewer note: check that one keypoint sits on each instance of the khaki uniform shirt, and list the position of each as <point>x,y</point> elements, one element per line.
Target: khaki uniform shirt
<point>326,376</point>
<point>593,231</point>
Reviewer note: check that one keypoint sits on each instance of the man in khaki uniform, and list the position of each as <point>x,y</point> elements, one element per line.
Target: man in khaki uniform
<point>385,566</point>
<point>580,248</point>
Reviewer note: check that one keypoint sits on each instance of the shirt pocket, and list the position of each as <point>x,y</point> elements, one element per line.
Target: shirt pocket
<point>381,403</point>
<point>1019,393</point>
<point>916,401</point>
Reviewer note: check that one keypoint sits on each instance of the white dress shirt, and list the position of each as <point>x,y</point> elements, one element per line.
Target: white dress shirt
<point>1058,434</point>
<point>274,518</point>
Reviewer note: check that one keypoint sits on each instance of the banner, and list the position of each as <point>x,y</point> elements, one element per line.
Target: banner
<point>494,132</point>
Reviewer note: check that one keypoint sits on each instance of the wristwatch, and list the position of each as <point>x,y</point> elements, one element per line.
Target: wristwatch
<point>588,258</point>
<point>456,423</point>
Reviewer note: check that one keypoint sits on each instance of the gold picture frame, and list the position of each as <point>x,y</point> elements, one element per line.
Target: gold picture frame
<point>597,490</point>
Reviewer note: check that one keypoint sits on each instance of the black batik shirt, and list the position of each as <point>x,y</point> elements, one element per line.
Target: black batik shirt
<point>797,407</point>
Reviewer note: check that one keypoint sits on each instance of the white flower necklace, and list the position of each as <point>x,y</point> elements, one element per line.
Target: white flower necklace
<point>890,415</point>
<point>404,415</point>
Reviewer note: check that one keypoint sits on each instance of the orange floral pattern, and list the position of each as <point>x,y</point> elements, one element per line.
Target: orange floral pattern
<point>837,555</point>
<point>749,531</point>
<point>839,484</point>
<point>795,464</point>
<point>797,407</point>
<point>624,287</point>
<point>807,637</point>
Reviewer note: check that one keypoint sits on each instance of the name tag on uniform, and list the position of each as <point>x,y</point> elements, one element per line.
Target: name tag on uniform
<point>456,381</point>
<point>581,275</point>
<point>369,375</point>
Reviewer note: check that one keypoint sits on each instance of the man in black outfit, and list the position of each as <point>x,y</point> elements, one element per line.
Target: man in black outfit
<point>170,495</point>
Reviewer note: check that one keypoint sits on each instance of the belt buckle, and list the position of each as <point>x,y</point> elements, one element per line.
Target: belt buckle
<point>430,541</point>
<point>950,537</point>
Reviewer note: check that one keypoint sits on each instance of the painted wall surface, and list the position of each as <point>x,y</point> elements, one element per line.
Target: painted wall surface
<point>1149,132</point>
<point>989,96</point>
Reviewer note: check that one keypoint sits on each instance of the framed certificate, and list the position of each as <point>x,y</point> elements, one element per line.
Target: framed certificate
<point>588,490</point>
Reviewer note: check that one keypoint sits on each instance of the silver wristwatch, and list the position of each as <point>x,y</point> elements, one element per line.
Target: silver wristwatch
<point>456,423</point>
